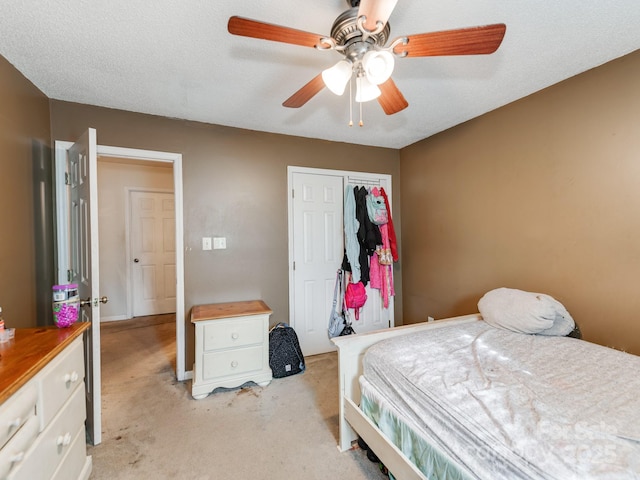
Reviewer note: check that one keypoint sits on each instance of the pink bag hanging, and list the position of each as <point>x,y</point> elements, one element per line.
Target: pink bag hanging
<point>355,297</point>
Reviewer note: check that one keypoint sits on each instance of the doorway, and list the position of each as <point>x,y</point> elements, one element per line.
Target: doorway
<point>136,217</point>
<point>172,161</point>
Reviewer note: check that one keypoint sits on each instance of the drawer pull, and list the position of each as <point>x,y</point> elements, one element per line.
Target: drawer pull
<point>234,364</point>
<point>63,440</point>
<point>235,335</point>
<point>71,377</point>
<point>17,458</point>
<point>15,423</point>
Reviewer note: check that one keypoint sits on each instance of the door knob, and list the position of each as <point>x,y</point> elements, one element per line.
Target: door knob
<point>87,302</point>
<point>136,260</point>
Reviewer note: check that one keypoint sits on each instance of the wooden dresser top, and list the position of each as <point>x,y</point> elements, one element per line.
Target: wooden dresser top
<point>214,311</point>
<point>32,348</point>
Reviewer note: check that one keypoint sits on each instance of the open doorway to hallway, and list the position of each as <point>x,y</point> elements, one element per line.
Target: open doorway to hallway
<point>137,237</point>
<point>137,258</point>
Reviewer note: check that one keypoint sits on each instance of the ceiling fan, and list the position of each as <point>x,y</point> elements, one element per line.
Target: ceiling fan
<point>360,35</point>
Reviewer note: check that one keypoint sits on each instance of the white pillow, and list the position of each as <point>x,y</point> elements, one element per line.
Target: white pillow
<point>525,312</point>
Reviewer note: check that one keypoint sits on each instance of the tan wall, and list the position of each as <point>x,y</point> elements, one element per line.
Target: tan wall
<point>542,195</point>
<point>235,185</point>
<point>24,141</point>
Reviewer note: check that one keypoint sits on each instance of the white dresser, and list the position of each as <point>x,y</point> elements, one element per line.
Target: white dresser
<point>232,345</point>
<point>42,432</point>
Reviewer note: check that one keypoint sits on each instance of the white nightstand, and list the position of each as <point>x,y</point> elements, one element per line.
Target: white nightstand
<point>232,345</point>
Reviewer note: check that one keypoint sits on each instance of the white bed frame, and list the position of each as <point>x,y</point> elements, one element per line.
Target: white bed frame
<point>353,421</point>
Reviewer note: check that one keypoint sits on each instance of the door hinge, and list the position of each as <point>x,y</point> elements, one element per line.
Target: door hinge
<point>66,178</point>
<point>294,265</point>
<point>69,275</point>
<point>293,193</point>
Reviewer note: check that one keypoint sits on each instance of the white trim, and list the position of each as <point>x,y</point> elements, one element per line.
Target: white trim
<point>127,252</point>
<point>62,234</point>
<point>180,333</point>
<point>113,318</point>
<point>62,217</point>
<point>345,174</point>
<point>136,154</point>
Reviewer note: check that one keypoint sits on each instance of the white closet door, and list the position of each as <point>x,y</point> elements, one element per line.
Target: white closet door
<point>318,250</point>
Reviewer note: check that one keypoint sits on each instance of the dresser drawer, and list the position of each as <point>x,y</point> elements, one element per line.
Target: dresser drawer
<point>13,454</point>
<point>17,410</point>
<point>232,362</point>
<point>76,460</point>
<point>54,443</point>
<point>238,332</point>
<point>59,380</point>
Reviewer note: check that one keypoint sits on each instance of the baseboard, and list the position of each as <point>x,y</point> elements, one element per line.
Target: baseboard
<point>115,318</point>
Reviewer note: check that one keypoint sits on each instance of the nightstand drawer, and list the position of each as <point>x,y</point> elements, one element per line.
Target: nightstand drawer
<point>232,362</point>
<point>233,333</point>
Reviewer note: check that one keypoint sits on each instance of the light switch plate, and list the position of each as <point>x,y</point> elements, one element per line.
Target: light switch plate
<point>219,243</point>
<point>206,243</point>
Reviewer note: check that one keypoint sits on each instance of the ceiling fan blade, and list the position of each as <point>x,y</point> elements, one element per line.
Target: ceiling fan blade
<point>376,11</point>
<point>306,93</point>
<point>266,31</point>
<point>391,100</point>
<point>463,41</point>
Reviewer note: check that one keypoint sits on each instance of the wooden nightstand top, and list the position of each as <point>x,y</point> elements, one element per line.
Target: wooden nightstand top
<point>214,311</point>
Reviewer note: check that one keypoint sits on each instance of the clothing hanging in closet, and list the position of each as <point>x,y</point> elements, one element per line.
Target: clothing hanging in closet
<point>370,248</point>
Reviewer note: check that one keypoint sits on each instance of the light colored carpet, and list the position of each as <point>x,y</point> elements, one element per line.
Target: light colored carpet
<point>154,429</point>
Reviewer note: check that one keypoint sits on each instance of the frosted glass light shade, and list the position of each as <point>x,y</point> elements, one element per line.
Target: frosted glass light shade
<point>378,66</point>
<point>336,77</point>
<point>365,90</point>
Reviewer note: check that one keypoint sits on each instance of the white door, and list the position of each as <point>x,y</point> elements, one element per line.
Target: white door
<point>317,249</point>
<point>83,261</point>
<point>153,250</point>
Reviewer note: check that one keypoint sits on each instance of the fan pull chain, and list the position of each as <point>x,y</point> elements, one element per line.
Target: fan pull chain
<point>350,105</point>
<point>361,122</point>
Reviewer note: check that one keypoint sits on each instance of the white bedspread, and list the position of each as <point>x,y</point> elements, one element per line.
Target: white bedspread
<point>510,405</point>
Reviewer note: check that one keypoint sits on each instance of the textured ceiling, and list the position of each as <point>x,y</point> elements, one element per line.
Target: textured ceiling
<point>176,59</point>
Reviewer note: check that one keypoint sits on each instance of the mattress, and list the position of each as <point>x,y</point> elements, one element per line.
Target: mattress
<point>474,401</point>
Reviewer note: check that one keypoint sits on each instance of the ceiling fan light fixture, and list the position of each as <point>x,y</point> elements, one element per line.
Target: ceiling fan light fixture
<point>378,65</point>
<point>365,90</point>
<point>337,77</point>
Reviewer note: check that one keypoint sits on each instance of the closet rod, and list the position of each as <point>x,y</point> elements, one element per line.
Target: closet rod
<point>363,181</point>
